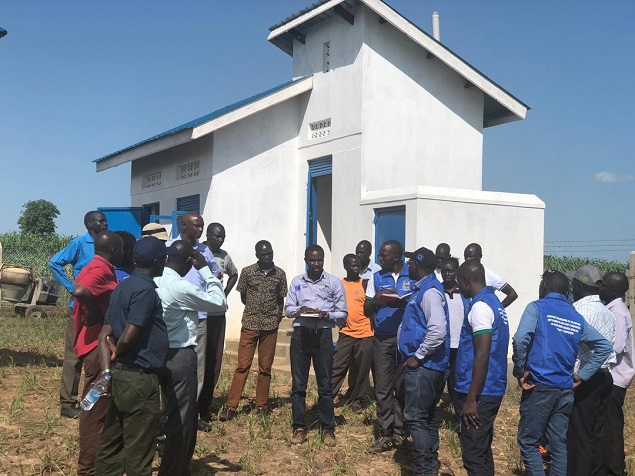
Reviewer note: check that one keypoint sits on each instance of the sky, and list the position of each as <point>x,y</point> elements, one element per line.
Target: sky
<point>79,80</point>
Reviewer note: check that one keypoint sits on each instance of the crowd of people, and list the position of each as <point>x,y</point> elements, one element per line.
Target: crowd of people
<point>147,321</point>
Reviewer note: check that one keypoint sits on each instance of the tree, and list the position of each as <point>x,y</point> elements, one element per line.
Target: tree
<point>38,217</point>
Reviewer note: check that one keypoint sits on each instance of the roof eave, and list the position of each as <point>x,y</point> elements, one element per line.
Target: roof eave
<point>185,135</point>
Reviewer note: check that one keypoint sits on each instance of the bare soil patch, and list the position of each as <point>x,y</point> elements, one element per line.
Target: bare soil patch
<point>35,440</point>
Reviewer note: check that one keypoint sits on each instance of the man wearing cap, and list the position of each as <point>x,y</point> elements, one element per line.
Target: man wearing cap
<point>545,348</point>
<point>383,300</point>
<point>481,368</point>
<point>93,288</point>
<point>612,291</point>
<point>424,341</point>
<point>585,448</point>
<point>77,253</point>
<point>156,230</point>
<point>191,230</point>
<point>181,302</point>
<point>133,345</point>
<point>474,252</point>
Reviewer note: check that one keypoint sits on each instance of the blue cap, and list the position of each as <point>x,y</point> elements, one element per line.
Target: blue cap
<point>423,256</point>
<point>150,249</point>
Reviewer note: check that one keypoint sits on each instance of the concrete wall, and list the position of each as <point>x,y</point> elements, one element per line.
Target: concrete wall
<point>418,119</point>
<point>509,227</point>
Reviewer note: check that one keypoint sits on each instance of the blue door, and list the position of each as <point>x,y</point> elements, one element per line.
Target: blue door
<point>390,224</point>
<point>124,219</point>
<point>318,201</point>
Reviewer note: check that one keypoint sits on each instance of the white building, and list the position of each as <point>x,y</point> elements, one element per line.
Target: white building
<point>379,135</point>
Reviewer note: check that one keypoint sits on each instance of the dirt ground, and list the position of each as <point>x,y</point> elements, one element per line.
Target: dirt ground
<point>34,440</point>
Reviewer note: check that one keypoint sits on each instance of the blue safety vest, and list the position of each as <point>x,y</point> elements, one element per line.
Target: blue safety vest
<point>414,326</point>
<point>554,348</point>
<point>496,380</point>
<point>387,319</point>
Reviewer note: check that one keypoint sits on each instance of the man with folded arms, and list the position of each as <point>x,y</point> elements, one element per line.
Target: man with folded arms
<point>133,345</point>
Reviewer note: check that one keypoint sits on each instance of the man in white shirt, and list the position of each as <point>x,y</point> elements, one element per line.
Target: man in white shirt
<point>585,449</point>
<point>473,251</point>
<point>612,291</point>
<point>182,301</point>
<point>442,253</point>
<point>364,250</point>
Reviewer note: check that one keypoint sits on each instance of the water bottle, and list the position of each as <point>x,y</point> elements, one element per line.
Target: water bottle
<point>93,395</point>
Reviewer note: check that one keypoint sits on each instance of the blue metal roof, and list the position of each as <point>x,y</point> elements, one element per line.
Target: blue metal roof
<point>206,118</point>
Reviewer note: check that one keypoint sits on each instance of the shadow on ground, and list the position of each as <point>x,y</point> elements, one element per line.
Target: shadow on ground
<point>17,358</point>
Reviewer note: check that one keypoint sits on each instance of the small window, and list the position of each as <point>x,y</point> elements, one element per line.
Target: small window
<point>191,203</point>
<point>188,171</point>
<point>320,129</point>
<point>149,209</point>
<point>326,57</point>
<point>152,180</point>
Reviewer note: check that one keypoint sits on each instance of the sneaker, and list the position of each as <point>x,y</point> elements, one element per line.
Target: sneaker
<point>383,443</point>
<point>70,412</point>
<point>299,436</point>
<point>328,438</point>
<point>227,415</point>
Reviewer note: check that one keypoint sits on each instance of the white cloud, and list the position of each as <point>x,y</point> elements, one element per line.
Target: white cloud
<point>612,177</point>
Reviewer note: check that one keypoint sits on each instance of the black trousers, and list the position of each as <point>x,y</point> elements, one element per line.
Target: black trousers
<point>614,456</point>
<point>348,350</point>
<point>585,450</point>
<point>179,382</point>
<point>476,443</point>
<point>389,393</point>
<point>213,361</point>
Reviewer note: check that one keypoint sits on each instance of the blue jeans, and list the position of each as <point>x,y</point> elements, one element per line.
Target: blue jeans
<point>423,388</point>
<point>312,345</point>
<point>544,411</point>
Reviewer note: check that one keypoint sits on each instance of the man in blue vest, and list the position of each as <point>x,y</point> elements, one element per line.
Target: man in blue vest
<point>424,340</point>
<point>545,348</point>
<point>481,368</point>
<point>383,301</point>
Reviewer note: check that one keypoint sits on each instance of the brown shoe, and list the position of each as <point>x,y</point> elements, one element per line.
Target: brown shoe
<point>328,438</point>
<point>299,436</point>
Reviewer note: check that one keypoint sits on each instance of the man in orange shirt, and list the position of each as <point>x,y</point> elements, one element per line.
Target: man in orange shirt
<point>355,342</point>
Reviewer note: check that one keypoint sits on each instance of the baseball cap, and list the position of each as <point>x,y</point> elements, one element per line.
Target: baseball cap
<point>423,256</point>
<point>156,230</point>
<point>150,249</point>
<point>589,275</point>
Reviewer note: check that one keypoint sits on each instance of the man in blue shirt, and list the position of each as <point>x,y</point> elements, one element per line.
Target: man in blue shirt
<point>481,368</point>
<point>77,253</point>
<point>545,348</point>
<point>424,340</point>
<point>316,300</point>
<point>383,302</point>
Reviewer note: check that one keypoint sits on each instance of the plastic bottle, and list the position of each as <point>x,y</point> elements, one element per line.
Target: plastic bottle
<point>93,395</point>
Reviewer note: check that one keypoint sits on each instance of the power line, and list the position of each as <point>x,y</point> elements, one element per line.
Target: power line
<point>586,245</point>
<point>586,241</point>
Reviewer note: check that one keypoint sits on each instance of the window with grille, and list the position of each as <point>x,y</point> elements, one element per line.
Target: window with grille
<point>320,129</point>
<point>188,171</point>
<point>152,180</point>
<point>326,57</point>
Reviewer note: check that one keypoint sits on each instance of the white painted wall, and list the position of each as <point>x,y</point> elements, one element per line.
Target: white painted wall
<point>418,120</point>
<point>509,227</point>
